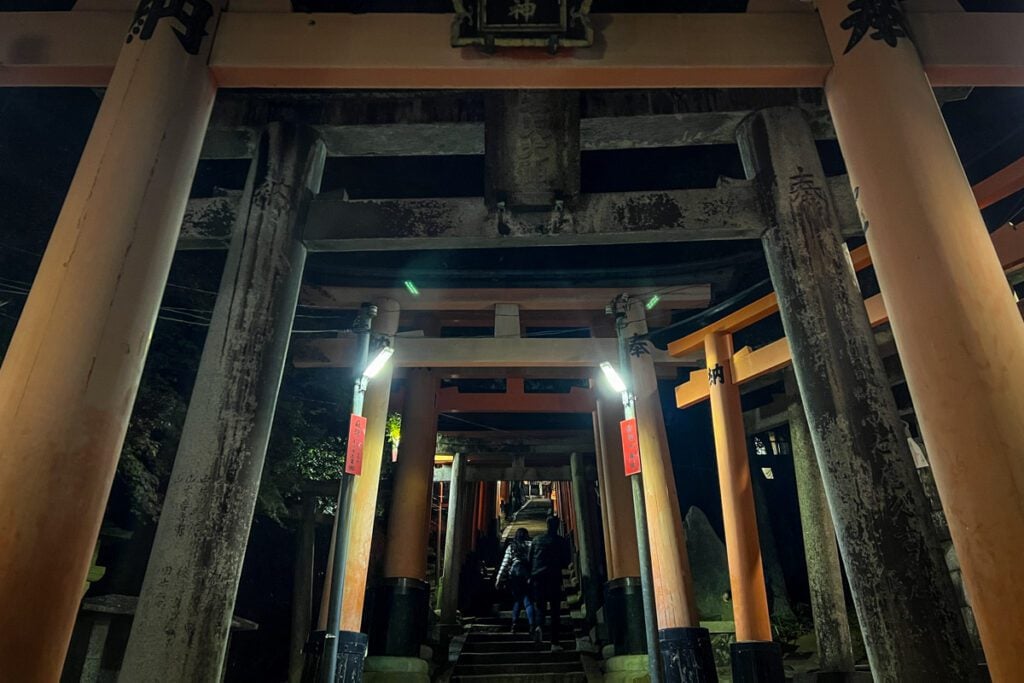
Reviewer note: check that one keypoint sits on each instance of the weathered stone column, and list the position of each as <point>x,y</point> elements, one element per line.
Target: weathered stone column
<point>904,596</point>
<point>824,575</point>
<point>71,372</point>
<point>184,615</point>
<point>681,637</point>
<point>366,485</point>
<point>586,571</point>
<point>958,332</point>
<point>754,656</point>
<point>459,510</point>
<point>302,589</point>
<point>406,594</point>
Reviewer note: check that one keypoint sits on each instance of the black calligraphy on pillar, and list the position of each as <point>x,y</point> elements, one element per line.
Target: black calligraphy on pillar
<point>877,19</point>
<point>716,375</point>
<point>807,200</point>
<point>638,346</point>
<point>191,15</point>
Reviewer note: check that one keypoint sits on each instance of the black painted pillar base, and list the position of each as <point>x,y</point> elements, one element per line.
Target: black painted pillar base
<point>624,615</point>
<point>686,655</point>
<point>757,662</point>
<point>351,654</point>
<point>399,617</point>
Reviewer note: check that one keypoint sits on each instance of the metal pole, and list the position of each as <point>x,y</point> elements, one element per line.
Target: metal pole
<point>643,543</point>
<point>330,665</point>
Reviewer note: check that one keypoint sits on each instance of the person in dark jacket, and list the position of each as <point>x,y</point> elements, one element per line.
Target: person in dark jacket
<point>549,555</point>
<point>515,573</point>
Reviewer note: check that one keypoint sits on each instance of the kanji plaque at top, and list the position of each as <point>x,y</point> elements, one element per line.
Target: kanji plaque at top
<point>549,24</point>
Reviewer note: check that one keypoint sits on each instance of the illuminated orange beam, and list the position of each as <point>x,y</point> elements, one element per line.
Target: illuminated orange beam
<point>749,364</point>
<point>515,400</point>
<point>337,50</point>
<point>1008,241</point>
<point>1000,184</point>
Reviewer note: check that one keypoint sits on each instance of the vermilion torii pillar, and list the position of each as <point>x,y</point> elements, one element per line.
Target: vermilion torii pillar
<point>71,373</point>
<point>623,606</point>
<point>364,494</point>
<point>906,606</point>
<point>406,592</point>
<point>681,638</point>
<point>182,622</point>
<point>754,648</point>
<point>616,498</point>
<point>958,332</point>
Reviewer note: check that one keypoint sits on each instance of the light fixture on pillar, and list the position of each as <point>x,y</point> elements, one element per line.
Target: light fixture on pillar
<point>378,362</point>
<point>614,381</point>
<point>353,468</point>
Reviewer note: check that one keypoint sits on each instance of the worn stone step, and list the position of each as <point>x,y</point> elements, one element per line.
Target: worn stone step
<point>514,646</point>
<point>519,668</point>
<point>575,677</point>
<point>543,653</point>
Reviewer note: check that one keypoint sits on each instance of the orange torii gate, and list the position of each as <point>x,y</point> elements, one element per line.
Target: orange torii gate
<point>117,232</point>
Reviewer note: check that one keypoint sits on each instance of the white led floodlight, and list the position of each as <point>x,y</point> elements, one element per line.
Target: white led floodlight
<point>613,377</point>
<point>378,363</point>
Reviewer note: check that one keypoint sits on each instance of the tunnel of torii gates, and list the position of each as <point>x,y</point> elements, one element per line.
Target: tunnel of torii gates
<point>64,407</point>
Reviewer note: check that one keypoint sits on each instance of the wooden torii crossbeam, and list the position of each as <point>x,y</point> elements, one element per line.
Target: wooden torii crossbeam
<point>749,364</point>
<point>300,50</point>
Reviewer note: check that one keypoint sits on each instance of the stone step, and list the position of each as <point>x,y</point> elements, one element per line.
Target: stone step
<point>515,646</point>
<point>519,668</point>
<point>575,677</point>
<point>542,654</point>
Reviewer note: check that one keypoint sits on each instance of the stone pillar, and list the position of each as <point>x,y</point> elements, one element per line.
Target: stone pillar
<point>686,648</point>
<point>406,593</point>
<point>302,588</point>
<point>958,332</point>
<point>184,614</point>
<point>532,148</point>
<point>459,509</point>
<point>824,575</point>
<point>364,493</point>
<point>71,372</point>
<point>904,596</point>
<point>754,649</point>
<point>586,571</point>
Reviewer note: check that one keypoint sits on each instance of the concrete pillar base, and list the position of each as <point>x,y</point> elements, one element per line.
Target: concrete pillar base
<point>626,669</point>
<point>624,612</point>
<point>351,653</point>
<point>686,655</point>
<point>396,669</point>
<point>757,662</point>
<point>400,617</point>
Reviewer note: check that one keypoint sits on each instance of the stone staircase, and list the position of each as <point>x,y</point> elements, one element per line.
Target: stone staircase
<point>490,653</point>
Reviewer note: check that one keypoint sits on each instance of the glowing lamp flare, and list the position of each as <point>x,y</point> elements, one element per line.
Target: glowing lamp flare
<point>378,363</point>
<point>613,378</point>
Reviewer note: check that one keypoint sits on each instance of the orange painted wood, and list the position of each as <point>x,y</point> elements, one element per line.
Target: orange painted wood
<point>739,520</point>
<point>515,400</point>
<point>296,50</point>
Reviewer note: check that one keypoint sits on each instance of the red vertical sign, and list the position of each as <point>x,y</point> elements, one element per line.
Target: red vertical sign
<point>356,437</point>
<point>630,446</point>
